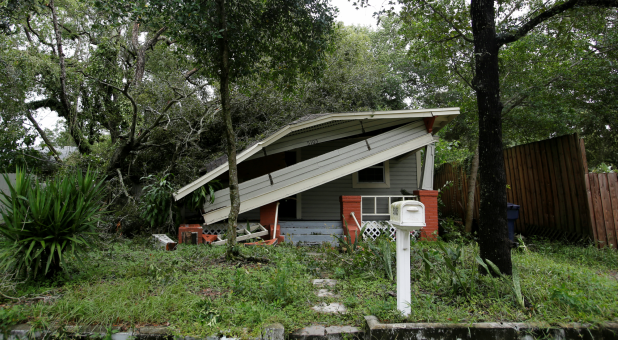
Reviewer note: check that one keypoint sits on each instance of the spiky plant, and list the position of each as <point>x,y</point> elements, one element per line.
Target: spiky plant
<point>46,225</point>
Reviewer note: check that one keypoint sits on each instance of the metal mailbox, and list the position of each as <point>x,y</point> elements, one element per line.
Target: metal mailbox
<point>405,216</point>
<point>408,215</point>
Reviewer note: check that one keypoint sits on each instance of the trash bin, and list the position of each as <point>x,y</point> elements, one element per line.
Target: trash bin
<point>512,214</point>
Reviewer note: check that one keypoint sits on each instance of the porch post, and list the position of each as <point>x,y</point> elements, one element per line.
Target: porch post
<point>349,205</point>
<point>430,199</point>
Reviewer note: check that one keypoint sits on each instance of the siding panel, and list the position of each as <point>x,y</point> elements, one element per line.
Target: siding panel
<point>322,202</point>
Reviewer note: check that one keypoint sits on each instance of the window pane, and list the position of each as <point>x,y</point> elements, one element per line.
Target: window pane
<point>371,175</point>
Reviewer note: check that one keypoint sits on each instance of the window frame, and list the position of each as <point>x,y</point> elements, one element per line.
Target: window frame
<point>385,184</point>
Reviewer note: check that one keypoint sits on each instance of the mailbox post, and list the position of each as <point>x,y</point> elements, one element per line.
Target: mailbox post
<point>406,216</point>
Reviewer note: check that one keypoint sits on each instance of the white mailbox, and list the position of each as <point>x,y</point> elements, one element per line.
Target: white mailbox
<point>408,215</point>
<point>405,216</point>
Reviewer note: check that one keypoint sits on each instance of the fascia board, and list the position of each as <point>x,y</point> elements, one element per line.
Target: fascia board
<point>418,113</point>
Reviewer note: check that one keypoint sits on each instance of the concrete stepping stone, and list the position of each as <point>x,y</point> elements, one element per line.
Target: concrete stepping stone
<point>326,293</point>
<point>324,282</point>
<point>334,307</point>
<point>330,332</point>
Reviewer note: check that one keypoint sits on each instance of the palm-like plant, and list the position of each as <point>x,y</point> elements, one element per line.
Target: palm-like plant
<point>47,224</point>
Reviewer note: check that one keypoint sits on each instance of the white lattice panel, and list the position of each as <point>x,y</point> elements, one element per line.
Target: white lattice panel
<point>214,229</point>
<point>373,229</point>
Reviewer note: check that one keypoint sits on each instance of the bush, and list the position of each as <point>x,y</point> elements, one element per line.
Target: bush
<point>47,223</point>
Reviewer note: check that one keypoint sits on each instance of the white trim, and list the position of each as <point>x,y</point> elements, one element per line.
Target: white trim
<point>299,196</point>
<point>385,184</point>
<point>419,170</point>
<point>271,196</point>
<point>427,178</point>
<point>189,188</point>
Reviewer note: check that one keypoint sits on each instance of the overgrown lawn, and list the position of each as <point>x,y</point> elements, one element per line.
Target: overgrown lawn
<point>194,291</point>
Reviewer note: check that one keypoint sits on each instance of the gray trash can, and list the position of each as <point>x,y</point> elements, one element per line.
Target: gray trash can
<point>512,214</point>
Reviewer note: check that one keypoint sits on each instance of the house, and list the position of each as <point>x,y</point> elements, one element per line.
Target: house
<point>332,173</point>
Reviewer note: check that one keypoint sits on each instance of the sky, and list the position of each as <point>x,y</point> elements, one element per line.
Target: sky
<point>348,14</point>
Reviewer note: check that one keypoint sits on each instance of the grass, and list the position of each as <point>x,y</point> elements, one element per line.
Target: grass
<point>194,291</point>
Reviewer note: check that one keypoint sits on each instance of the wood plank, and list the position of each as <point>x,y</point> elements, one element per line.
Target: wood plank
<point>597,207</point>
<point>606,203</point>
<point>592,224</point>
<point>582,147</point>
<point>564,183</point>
<point>571,170</point>
<point>556,188</point>
<point>532,186</point>
<point>549,193</point>
<point>524,212</point>
<point>538,174</point>
<point>612,180</point>
<point>580,188</point>
<point>545,193</point>
<point>516,185</point>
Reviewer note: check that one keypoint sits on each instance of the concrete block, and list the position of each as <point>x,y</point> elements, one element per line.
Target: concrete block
<point>163,241</point>
<point>274,331</point>
<point>334,307</point>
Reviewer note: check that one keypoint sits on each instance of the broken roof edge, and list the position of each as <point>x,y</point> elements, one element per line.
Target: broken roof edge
<point>301,124</point>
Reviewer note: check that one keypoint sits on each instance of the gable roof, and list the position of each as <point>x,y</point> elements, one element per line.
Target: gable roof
<point>220,165</point>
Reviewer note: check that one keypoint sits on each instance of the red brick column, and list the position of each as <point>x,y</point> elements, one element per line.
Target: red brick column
<point>430,199</point>
<point>267,219</point>
<point>190,228</point>
<point>351,204</point>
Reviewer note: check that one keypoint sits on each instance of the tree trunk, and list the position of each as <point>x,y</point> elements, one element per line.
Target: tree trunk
<point>472,190</point>
<point>74,130</point>
<point>493,232</point>
<point>44,136</point>
<point>224,78</point>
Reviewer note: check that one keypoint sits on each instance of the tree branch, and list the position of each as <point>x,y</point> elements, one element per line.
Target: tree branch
<point>507,38</point>
<point>445,18</point>
<point>44,136</point>
<point>38,36</point>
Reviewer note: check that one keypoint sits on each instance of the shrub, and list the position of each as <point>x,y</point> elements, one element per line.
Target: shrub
<point>47,223</point>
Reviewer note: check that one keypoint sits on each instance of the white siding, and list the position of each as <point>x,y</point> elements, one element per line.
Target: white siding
<point>322,202</point>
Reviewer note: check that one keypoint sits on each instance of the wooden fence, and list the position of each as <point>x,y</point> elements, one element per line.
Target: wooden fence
<point>602,192</point>
<point>547,180</point>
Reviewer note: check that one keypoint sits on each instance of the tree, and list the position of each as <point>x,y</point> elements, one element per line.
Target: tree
<point>235,38</point>
<point>475,35</point>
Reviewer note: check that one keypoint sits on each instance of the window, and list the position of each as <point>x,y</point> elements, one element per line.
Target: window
<point>375,176</point>
<point>372,174</point>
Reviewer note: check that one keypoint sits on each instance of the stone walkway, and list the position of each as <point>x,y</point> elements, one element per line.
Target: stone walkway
<point>334,307</point>
<point>324,287</point>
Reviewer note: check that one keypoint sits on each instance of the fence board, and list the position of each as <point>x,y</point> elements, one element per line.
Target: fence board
<point>540,189</point>
<point>572,183</point>
<point>593,226</point>
<point>548,180</point>
<point>564,169</point>
<point>526,202</point>
<point>612,180</point>
<point>580,172</point>
<point>606,204</point>
<point>597,208</point>
<point>555,165</point>
<point>549,198</point>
